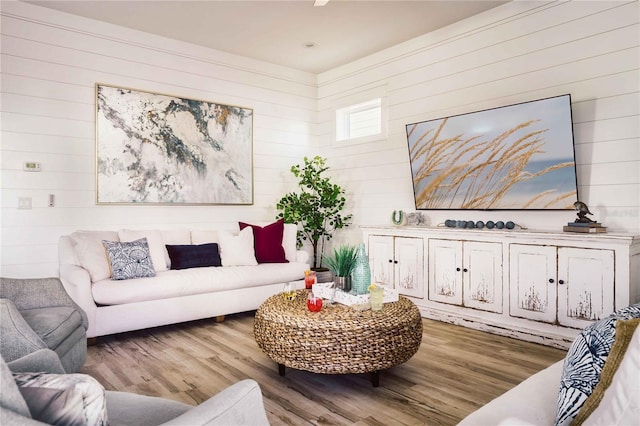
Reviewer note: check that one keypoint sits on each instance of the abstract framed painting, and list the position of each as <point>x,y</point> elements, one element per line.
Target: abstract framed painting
<point>160,149</point>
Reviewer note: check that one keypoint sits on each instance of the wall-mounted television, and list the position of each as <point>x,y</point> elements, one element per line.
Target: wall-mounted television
<point>515,157</point>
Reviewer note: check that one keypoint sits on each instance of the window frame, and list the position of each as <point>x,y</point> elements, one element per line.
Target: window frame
<point>348,105</point>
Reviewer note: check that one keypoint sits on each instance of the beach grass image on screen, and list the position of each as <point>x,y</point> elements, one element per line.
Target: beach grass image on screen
<point>514,157</point>
<point>154,148</point>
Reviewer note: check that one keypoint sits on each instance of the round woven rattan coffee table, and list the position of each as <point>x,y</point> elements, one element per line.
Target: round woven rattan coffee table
<point>338,339</point>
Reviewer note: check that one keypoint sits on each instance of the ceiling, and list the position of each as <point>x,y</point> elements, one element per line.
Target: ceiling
<point>279,31</point>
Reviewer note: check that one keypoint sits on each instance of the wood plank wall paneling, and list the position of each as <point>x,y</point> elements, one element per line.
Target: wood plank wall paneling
<point>514,53</point>
<point>50,64</point>
<point>455,371</point>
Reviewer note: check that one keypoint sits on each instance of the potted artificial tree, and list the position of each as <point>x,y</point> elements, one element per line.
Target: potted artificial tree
<point>317,207</point>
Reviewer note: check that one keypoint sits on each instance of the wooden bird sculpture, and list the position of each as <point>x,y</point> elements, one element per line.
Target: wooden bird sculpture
<point>583,211</point>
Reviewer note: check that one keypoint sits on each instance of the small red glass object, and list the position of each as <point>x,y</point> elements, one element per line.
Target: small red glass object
<point>309,279</point>
<point>314,303</point>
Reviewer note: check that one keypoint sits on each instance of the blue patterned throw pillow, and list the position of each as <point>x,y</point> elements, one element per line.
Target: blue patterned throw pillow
<point>129,260</point>
<point>584,362</point>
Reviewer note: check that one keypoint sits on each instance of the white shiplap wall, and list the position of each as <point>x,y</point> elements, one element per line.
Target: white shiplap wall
<point>51,62</point>
<point>518,52</point>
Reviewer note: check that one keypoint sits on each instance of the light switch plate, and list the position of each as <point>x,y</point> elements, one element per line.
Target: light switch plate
<point>24,203</point>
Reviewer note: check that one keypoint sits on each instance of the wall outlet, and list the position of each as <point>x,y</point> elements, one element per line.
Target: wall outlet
<point>24,203</point>
<point>31,166</point>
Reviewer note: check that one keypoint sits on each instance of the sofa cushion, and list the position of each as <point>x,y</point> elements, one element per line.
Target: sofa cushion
<point>584,362</point>
<point>91,253</point>
<point>267,241</point>
<point>129,260</point>
<point>237,250</point>
<point>53,325</point>
<point>156,245</point>
<point>195,281</point>
<point>204,236</point>
<point>616,398</point>
<point>194,256</point>
<point>65,399</point>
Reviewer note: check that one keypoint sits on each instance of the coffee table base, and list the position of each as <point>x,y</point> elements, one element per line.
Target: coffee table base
<point>375,375</point>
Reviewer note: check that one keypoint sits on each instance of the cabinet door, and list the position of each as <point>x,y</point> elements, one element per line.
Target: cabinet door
<point>409,266</point>
<point>482,276</point>
<point>532,282</point>
<point>381,257</point>
<point>585,285</point>
<point>445,271</point>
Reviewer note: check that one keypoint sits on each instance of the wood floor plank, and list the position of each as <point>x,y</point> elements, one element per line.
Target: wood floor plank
<point>455,371</point>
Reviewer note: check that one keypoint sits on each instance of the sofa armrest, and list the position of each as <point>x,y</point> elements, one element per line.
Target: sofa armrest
<point>42,360</point>
<point>17,339</point>
<point>239,404</point>
<point>532,401</point>
<point>77,283</point>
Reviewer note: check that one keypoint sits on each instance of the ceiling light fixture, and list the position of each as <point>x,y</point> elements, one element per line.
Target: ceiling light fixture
<point>319,3</point>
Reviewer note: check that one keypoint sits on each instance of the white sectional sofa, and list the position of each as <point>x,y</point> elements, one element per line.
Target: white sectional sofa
<point>172,296</point>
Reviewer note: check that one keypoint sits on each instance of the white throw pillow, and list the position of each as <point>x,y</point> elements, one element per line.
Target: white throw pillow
<point>199,236</point>
<point>174,237</point>
<point>289,241</point>
<point>237,250</point>
<point>156,245</point>
<point>91,252</point>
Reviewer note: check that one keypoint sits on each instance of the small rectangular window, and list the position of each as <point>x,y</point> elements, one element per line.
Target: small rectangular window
<point>359,120</point>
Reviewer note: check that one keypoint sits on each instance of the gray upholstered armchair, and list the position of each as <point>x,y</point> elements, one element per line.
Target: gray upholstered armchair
<point>37,314</point>
<point>239,404</point>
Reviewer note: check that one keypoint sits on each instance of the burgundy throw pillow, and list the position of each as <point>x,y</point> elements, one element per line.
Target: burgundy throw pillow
<point>267,242</point>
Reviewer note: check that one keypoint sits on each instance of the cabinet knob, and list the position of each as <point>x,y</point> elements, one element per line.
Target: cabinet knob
<point>458,269</point>
<point>551,280</point>
<point>560,281</point>
<point>465,270</point>
<point>390,260</point>
<point>395,261</point>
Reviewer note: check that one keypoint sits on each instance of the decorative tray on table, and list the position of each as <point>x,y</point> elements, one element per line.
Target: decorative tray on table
<point>325,291</point>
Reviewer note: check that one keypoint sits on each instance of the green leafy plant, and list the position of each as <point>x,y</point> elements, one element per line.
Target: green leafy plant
<point>317,207</point>
<point>342,261</point>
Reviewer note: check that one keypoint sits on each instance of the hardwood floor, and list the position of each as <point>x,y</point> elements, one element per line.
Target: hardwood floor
<point>455,371</point>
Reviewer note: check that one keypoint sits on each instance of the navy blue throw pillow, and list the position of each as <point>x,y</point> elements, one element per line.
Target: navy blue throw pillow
<point>194,256</point>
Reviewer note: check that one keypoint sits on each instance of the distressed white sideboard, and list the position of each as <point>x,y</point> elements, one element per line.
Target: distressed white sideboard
<point>536,286</point>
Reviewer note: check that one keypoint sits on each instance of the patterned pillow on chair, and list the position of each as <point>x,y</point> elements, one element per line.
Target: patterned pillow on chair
<point>63,399</point>
<point>584,362</point>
